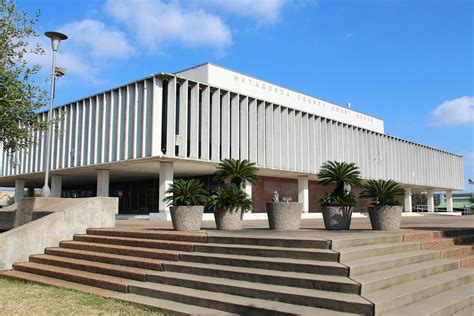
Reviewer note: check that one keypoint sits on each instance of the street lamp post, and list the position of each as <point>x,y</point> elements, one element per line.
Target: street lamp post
<point>56,38</point>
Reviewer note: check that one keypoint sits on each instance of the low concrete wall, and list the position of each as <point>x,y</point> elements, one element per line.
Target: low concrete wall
<point>7,217</point>
<point>27,206</point>
<point>69,217</point>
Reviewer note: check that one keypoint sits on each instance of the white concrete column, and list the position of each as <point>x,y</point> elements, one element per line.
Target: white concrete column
<point>430,200</point>
<point>248,190</point>
<point>166,179</point>
<point>56,186</point>
<point>449,200</point>
<point>303,193</point>
<point>19,189</point>
<point>103,177</point>
<point>408,206</point>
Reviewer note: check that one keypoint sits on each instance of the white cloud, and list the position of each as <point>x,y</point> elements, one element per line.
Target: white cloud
<point>453,112</point>
<point>75,63</point>
<point>263,10</point>
<point>97,39</point>
<point>155,22</point>
<point>85,53</point>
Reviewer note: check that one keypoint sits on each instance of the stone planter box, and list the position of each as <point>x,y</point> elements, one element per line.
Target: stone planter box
<point>186,217</point>
<point>229,220</point>
<point>284,215</point>
<point>385,217</point>
<point>337,217</point>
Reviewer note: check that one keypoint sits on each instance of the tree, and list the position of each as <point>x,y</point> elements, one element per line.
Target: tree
<point>19,95</point>
<point>418,199</point>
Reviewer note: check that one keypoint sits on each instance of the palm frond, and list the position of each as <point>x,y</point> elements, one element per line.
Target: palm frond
<point>382,192</point>
<point>228,199</point>
<point>236,171</point>
<point>186,192</point>
<point>340,174</point>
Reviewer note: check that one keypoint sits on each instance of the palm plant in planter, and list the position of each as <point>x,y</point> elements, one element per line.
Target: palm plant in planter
<point>337,206</point>
<point>187,198</point>
<point>234,171</point>
<point>386,211</point>
<point>229,204</point>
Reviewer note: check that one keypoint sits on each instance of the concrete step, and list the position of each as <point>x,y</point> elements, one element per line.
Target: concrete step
<point>137,262</point>
<point>296,279</point>
<point>370,238</point>
<point>437,243</point>
<point>226,302</point>
<point>372,264</point>
<point>136,242</point>
<point>468,311</point>
<point>71,275</point>
<point>91,266</point>
<point>291,295</point>
<point>426,235</point>
<point>366,251</point>
<point>156,234</point>
<point>456,251</point>
<point>172,307</point>
<point>269,251</point>
<point>467,262</point>
<point>281,264</point>
<point>443,304</point>
<point>122,250</point>
<point>398,296</point>
<point>275,241</point>
<point>375,281</point>
<point>44,280</point>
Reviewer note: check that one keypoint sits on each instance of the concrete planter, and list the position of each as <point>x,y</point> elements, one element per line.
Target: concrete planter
<point>284,215</point>
<point>385,217</point>
<point>186,217</point>
<point>229,220</point>
<point>337,217</point>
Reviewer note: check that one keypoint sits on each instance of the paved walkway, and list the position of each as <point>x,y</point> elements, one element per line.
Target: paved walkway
<point>315,227</point>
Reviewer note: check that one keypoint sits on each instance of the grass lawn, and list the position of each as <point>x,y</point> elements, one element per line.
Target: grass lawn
<point>21,298</point>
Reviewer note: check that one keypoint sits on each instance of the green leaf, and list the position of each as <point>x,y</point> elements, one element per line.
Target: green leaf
<point>236,172</point>
<point>184,192</point>
<point>382,192</point>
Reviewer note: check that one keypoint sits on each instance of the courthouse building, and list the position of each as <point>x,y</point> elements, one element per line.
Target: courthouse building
<point>133,140</point>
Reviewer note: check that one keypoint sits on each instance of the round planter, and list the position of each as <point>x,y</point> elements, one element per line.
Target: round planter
<point>385,217</point>
<point>284,215</point>
<point>229,220</point>
<point>186,217</point>
<point>337,217</point>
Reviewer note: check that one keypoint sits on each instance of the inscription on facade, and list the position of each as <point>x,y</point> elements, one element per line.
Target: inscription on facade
<point>250,82</point>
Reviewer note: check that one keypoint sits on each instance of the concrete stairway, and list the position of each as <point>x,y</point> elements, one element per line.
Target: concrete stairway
<point>260,274</point>
<point>452,243</point>
<point>408,278</point>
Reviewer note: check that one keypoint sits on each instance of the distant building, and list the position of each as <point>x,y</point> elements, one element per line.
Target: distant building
<point>133,140</point>
<point>461,201</point>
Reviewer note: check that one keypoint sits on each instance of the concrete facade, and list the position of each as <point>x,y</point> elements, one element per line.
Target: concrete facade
<point>195,118</point>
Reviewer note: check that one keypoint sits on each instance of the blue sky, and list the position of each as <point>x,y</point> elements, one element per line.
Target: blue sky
<point>409,62</point>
